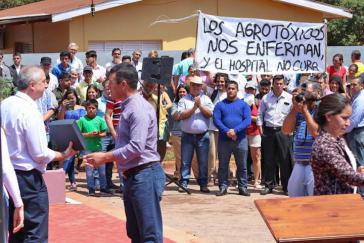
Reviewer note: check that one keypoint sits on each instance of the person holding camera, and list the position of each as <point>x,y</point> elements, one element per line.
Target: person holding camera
<point>70,109</point>
<point>300,121</point>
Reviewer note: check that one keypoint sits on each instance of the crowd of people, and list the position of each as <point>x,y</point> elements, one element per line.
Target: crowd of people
<point>304,132</point>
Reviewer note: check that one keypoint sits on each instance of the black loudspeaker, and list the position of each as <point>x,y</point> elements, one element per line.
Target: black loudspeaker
<point>158,70</point>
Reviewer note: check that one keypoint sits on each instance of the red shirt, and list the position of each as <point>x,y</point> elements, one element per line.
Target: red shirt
<point>331,70</point>
<point>253,129</point>
<point>115,106</point>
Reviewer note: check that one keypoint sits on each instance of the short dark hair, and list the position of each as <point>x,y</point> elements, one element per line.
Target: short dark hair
<point>224,75</point>
<point>91,102</point>
<point>65,54</point>
<point>264,82</point>
<point>91,53</point>
<point>17,54</point>
<point>64,75</point>
<point>229,82</point>
<point>278,77</point>
<point>184,55</point>
<point>125,57</point>
<point>356,54</point>
<point>128,73</point>
<point>333,104</point>
<point>115,49</point>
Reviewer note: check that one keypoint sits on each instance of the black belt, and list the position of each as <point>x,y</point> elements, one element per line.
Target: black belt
<point>138,168</point>
<point>273,128</point>
<point>196,134</point>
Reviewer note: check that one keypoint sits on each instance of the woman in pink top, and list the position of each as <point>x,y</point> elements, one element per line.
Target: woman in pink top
<point>337,68</point>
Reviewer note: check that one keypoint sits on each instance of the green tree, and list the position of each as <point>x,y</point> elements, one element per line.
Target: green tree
<point>4,4</point>
<point>347,32</point>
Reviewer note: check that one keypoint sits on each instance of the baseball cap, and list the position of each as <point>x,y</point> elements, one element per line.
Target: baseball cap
<point>45,60</point>
<point>250,85</point>
<point>87,69</point>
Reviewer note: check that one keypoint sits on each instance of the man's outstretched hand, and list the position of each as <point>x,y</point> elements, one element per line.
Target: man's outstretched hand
<point>96,159</point>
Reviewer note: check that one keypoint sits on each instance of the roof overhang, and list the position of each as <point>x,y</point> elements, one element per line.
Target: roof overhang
<point>24,18</point>
<point>329,11</point>
<point>86,10</point>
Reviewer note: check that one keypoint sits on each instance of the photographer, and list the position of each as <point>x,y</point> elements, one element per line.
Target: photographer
<point>300,121</point>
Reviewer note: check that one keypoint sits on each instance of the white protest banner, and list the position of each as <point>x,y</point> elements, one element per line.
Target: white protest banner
<point>257,46</point>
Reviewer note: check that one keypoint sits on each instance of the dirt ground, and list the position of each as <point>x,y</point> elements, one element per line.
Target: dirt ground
<point>197,217</point>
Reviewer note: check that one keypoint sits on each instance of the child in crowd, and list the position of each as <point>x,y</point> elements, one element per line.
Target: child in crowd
<point>93,128</point>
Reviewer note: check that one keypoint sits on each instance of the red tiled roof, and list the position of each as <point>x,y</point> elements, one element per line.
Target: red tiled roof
<point>47,7</point>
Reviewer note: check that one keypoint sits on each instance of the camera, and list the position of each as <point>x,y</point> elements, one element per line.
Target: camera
<point>70,105</point>
<point>305,97</point>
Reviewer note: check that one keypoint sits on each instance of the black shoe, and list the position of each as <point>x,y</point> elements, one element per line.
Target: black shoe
<point>222,192</point>
<point>204,189</point>
<point>113,186</point>
<point>91,193</point>
<point>244,192</point>
<point>266,191</point>
<point>106,192</point>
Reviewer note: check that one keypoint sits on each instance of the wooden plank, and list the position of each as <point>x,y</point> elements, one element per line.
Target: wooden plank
<point>329,218</point>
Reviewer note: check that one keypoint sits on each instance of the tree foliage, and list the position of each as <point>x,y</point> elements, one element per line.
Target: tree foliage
<point>4,4</point>
<point>347,32</point>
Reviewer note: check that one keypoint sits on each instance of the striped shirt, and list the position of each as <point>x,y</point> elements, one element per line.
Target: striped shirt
<point>115,106</point>
<point>303,140</point>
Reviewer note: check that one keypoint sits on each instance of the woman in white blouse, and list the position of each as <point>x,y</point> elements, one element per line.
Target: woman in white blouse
<point>10,186</point>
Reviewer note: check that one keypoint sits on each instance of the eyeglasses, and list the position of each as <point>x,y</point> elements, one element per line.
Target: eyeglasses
<point>137,54</point>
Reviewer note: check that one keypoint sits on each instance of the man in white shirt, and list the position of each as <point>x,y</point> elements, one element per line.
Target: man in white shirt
<point>137,63</point>
<point>75,62</point>
<point>46,64</point>
<point>276,146</point>
<point>116,59</point>
<point>99,72</point>
<point>29,153</point>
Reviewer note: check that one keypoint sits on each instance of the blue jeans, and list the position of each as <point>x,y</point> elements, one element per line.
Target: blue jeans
<point>240,151</point>
<point>69,168</point>
<point>142,196</point>
<point>190,143</point>
<point>301,181</point>
<point>90,176</point>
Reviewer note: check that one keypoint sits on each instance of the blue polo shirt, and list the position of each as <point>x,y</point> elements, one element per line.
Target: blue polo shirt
<point>59,69</point>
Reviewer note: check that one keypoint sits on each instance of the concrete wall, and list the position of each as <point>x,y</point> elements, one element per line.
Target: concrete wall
<point>104,57</point>
<point>44,36</point>
<point>132,21</point>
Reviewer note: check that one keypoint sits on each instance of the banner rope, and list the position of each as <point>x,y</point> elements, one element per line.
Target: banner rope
<point>164,19</point>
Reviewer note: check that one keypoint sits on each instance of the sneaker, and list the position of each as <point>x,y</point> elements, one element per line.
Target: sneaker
<point>73,187</point>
